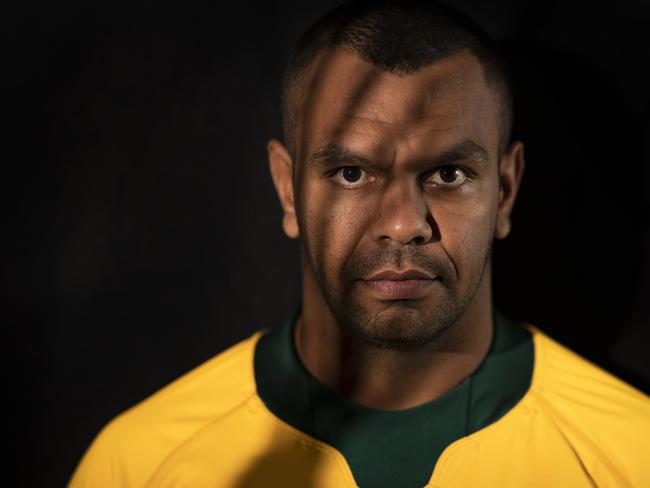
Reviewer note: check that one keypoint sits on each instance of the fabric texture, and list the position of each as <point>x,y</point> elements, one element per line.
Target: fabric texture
<point>385,449</point>
<point>576,425</point>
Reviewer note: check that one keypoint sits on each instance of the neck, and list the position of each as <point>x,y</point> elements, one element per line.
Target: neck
<point>392,379</point>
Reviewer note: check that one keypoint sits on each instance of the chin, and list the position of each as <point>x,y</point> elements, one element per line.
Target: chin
<point>398,325</point>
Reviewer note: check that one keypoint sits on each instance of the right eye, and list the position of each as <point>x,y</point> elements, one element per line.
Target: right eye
<point>351,176</point>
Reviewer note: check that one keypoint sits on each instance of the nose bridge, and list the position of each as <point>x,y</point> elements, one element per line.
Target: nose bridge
<point>403,213</point>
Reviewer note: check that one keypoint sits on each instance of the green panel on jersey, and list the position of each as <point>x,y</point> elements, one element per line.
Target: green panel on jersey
<point>394,448</point>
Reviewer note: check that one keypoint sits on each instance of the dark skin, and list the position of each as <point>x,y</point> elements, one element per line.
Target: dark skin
<point>395,173</point>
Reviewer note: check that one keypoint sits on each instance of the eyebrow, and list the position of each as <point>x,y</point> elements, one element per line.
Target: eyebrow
<point>466,149</point>
<point>334,154</point>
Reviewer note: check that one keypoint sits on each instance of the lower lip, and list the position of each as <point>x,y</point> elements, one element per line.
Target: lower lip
<point>399,289</point>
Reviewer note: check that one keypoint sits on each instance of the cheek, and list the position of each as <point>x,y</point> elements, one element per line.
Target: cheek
<point>333,223</point>
<point>459,226</point>
<point>465,232</point>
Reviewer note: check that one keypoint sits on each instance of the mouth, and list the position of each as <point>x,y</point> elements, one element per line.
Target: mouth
<point>409,274</point>
<point>394,285</point>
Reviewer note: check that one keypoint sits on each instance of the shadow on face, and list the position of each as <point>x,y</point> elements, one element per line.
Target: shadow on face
<point>399,132</point>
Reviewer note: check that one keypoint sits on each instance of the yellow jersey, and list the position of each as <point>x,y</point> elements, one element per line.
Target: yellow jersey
<point>575,425</point>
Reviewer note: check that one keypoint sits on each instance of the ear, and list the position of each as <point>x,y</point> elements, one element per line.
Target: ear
<point>512,166</point>
<point>281,166</point>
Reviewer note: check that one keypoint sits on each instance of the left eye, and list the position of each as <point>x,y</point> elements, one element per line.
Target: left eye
<point>449,176</point>
<point>351,176</point>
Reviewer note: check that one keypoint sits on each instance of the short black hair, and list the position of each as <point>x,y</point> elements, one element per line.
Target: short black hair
<point>397,36</point>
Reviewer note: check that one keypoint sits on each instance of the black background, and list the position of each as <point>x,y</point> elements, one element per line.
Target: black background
<point>142,232</point>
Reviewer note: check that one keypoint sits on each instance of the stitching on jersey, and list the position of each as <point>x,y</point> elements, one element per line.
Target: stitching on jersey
<point>191,437</point>
<point>306,441</point>
<point>208,424</point>
<point>558,418</point>
<point>522,405</point>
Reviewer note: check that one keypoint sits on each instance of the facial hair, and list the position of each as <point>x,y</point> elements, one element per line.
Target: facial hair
<point>400,324</point>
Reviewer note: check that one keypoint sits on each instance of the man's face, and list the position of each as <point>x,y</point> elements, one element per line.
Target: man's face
<point>396,174</point>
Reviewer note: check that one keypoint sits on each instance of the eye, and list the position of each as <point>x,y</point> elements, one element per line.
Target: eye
<point>351,176</point>
<point>449,177</point>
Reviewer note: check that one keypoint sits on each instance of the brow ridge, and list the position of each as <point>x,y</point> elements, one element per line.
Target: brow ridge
<point>334,154</point>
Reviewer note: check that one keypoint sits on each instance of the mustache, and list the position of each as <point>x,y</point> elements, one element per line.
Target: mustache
<point>364,265</point>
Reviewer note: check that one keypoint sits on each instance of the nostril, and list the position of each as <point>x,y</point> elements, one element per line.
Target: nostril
<point>419,240</point>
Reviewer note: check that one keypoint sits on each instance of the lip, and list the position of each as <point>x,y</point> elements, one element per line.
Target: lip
<point>393,285</point>
<point>409,274</point>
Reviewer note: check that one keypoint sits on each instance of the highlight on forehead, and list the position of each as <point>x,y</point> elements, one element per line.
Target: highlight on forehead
<point>397,36</point>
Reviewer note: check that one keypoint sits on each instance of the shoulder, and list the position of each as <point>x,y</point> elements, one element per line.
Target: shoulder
<point>606,420</point>
<point>130,447</point>
<point>562,373</point>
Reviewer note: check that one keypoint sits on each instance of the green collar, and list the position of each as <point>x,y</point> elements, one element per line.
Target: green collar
<point>393,448</point>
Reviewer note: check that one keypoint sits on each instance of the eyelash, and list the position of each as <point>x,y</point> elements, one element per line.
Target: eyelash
<point>469,174</point>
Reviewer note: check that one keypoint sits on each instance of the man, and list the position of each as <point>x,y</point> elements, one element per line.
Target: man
<point>396,174</point>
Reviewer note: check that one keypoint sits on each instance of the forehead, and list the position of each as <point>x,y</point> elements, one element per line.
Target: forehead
<point>348,100</point>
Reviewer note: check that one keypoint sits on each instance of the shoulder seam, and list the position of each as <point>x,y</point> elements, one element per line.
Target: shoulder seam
<point>194,434</point>
<point>545,342</point>
<point>556,417</point>
<point>250,343</point>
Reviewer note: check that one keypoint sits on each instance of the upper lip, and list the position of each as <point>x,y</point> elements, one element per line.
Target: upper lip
<point>409,274</point>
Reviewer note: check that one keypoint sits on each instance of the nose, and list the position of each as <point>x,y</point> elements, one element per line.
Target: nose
<point>403,215</point>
